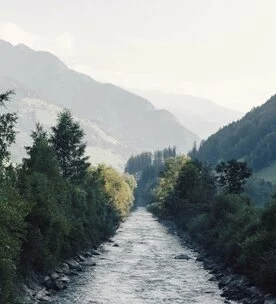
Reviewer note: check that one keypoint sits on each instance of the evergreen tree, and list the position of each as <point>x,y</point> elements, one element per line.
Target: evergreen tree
<point>68,144</point>
<point>232,175</point>
<point>7,132</point>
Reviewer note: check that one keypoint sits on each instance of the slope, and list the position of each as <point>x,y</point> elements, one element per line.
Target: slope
<point>252,138</point>
<point>129,118</point>
<point>200,115</point>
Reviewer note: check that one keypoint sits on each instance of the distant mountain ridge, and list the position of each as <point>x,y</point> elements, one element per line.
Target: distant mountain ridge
<point>202,116</point>
<point>252,139</point>
<point>132,120</point>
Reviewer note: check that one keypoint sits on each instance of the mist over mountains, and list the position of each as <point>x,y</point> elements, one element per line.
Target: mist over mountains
<point>202,116</point>
<point>117,123</point>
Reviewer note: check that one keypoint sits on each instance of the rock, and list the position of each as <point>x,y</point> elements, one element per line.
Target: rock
<point>88,263</point>
<point>94,252</point>
<point>54,275</point>
<point>80,258</point>
<point>61,284</point>
<point>87,254</point>
<point>63,268</point>
<point>182,257</point>
<point>64,279</point>
<point>200,259</point>
<point>43,296</point>
<point>224,281</point>
<point>74,265</point>
<point>115,245</point>
<point>48,282</point>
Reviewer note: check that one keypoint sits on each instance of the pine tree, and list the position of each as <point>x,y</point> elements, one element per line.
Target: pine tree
<point>68,144</point>
<point>7,132</point>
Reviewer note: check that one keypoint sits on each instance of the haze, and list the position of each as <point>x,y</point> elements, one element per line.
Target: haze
<point>222,50</point>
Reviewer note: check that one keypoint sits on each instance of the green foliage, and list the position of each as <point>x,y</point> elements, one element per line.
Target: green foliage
<point>7,132</point>
<point>227,225</point>
<point>146,168</point>
<point>12,208</point>
<point>67,141</point>
<point>232,175</point>
<point>53,205</point>
<point>251,139</point>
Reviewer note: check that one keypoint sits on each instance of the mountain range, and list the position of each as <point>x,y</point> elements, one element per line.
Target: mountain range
<point>201,115</point>
<point>117,122</point>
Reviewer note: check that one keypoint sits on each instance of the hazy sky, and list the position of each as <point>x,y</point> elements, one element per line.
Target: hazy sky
<point>222,49</point>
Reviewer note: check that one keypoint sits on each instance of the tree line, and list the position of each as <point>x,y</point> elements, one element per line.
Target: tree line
<point>54,204</point>
<point>146,168</point>
<point>210,203</point>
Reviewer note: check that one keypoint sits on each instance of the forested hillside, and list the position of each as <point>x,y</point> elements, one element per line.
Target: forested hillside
<point>219,216</point>
<point>251,139</point>
<point>146,168</point>
<point>54,204</point>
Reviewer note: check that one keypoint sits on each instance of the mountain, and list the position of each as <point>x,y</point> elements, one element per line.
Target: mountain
<point>252,139</point>
<point>131,120</point>
<point>31,108</point>
<point>200,115</point>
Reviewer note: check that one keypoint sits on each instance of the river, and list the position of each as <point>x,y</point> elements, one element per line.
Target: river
<point>142,270</point>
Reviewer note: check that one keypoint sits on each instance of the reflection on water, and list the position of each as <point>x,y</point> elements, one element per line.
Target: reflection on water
<point>142,270</point>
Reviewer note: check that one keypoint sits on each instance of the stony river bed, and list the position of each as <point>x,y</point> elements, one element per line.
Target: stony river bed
<point>139,266</point>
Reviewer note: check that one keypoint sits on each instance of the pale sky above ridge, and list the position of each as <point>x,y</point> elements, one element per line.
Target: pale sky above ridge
<point>223,50</point>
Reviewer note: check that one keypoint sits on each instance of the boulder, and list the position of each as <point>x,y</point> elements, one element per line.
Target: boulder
<point>87,254</point>
<point>182,257</point>
<point>73,273</point>
<point>115,245</point>
<point>43,296</point>
<point>61,283</point>
<point>48,282</point>
<point>63,268</point>
<point>94,252</point>
<point>54,275</point>
<point>74,265</point>
<point>88,263</point>
<point>80,258</point>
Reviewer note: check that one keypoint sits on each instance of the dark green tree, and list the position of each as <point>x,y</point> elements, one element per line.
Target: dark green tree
<point>7,132</point>
<point>232,175</point>
<point>68,144</point>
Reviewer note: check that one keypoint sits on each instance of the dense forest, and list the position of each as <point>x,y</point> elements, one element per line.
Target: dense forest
<point>214,205</point>
<point>251,139</point>
<point>146,167</point>
<point>54,204</point>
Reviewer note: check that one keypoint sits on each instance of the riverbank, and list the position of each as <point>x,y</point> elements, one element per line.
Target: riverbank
<point>40,288</point>
<point>140,266</point>
<point>232,285</point>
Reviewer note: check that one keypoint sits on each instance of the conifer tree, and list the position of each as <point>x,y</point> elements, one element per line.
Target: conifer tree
<point>67,141</point>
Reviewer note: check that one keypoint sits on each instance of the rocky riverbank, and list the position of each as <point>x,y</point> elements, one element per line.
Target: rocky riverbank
<point>39,288</point>
<point>233,286</point>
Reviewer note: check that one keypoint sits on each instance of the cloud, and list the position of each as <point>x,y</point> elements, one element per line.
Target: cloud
<point>62,45</point>
<point>65,43</point>
<point>15,35</point>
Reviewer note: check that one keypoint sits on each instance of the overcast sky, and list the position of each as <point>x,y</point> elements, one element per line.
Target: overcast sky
<point>224,50</point>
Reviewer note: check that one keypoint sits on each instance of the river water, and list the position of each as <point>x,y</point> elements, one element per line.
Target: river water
<point>142,270</point>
